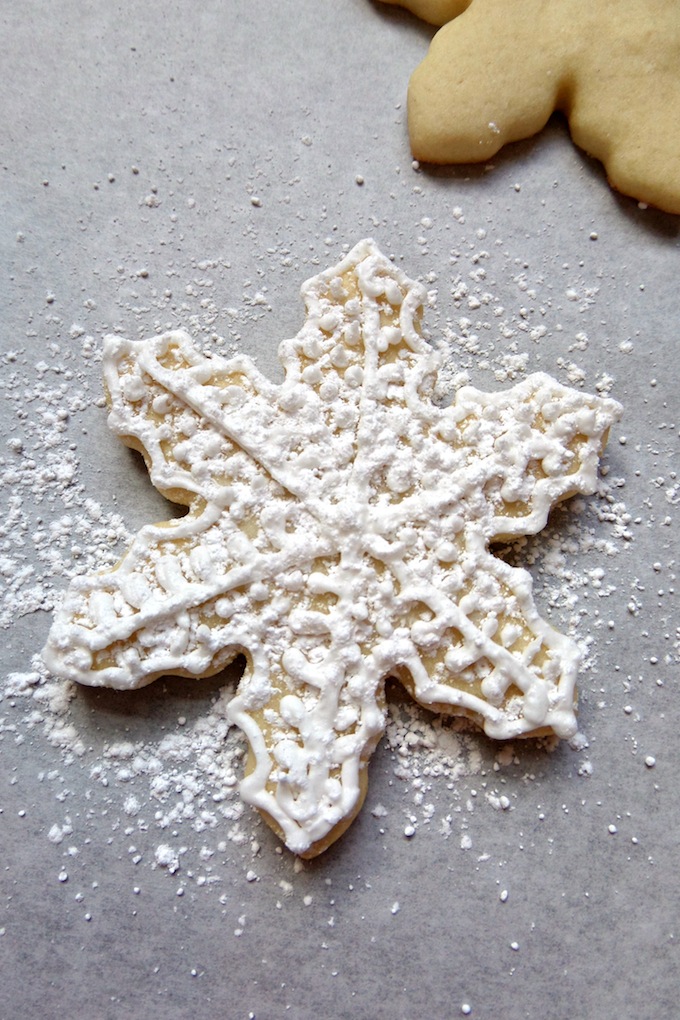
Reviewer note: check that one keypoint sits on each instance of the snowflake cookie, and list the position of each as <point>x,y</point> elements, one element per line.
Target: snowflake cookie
<point>497,71</point>
<point>337,535</point>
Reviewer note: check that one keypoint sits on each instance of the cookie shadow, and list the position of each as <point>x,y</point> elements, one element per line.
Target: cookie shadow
<point>162,705</point>
<point>526,153</point>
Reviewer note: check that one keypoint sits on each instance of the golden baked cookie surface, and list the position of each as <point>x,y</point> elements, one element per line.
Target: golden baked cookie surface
<point>496,72</point>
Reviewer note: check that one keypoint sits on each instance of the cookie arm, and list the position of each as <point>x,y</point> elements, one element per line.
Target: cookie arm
<point>168,607</point>
<point>534,445</point>
<point>473,93</point>
<point>311,728</point>
<point>489,655</point>
<point>437,12</point>
<point>627,112</point>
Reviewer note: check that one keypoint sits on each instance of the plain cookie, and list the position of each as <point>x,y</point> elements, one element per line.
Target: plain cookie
<point>497,71</point>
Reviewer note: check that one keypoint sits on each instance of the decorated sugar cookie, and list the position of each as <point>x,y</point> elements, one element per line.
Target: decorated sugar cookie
<point>337,535</point>
<point>497,71</point>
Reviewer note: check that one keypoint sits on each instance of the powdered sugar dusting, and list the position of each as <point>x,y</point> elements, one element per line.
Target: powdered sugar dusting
<point>55,528</point>
<point>337,534</point>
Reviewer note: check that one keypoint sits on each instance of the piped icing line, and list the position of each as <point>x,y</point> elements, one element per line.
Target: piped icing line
<point>337,533</point>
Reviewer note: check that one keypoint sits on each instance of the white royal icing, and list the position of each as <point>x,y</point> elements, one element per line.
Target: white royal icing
<point>337,534</point>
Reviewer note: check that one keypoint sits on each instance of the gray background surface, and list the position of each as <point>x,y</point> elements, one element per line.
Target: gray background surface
<point>133,139</point>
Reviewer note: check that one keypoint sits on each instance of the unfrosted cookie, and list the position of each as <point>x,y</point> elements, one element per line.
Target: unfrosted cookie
<point>337,534</point>
<point>497,71</point>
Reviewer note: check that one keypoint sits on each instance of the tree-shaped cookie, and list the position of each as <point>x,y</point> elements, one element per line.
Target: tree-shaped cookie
<point>497,70</point>
<point>337,534</point>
